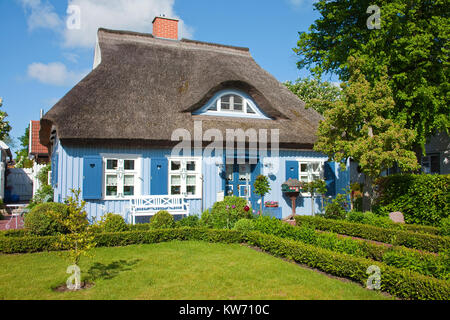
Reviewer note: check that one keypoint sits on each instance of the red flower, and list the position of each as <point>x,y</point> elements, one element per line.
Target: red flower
<point>246,208</point>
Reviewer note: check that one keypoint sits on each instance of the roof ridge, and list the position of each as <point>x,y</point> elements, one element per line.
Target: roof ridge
<point>183,40</point>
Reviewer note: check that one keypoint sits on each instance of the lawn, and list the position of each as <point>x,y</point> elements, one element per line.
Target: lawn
<point>172,271</point>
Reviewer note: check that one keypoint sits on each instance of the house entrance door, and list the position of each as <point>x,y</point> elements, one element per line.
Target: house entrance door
<point>239,181</point>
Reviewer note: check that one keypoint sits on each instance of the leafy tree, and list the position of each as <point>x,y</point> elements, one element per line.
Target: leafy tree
<point>412,43</point>
<point>79,239</point>
<point>262,187</point>
<point>356,128</point>
<point>22,160</point>
<point>5,128</point>
<point>316,94</point>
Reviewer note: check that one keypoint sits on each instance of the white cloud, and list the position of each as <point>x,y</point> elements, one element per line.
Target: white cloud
<point>41,15</point>
<point>54,73</point>
<point>133,15</point>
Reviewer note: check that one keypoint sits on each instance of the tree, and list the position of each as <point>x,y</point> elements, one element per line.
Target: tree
<point>412,43</point>
<point>80,237</point>
<point>5,128</point>
<point>316,94</point>
<point>22,159</point>
<point>262,187</point>
<point>356,127</point>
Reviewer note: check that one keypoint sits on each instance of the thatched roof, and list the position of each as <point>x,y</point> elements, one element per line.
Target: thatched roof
<point>146,87</point>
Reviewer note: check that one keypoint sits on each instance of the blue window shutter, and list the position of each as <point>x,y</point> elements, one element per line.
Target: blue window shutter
<point>330,178</point>
<point>291,170</point>
<point>159,176</point>
<point>92,178</point>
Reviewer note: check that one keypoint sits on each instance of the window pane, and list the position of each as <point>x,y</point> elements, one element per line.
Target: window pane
<point>243,170</point>
<point>225,102</point>
<point>213,107</point>
<point>128,191</point>
<point>111,164</point>
<point>128,180</point>
<point>175,180</point>
<point>229,172</point>
<point>191,180</point>
<point>111,180</point>
<point>111,191</point>
<point>128,164</point>
<point>190,166</point>
<point>315,166</point>
<point>175,165</point>
<point>238,103</point>
<point>303,167</point>
<point>304,178</point>
<point>315,177</point>
<point>250,109</point>
<point>190,190</point>
<point>175,190</point>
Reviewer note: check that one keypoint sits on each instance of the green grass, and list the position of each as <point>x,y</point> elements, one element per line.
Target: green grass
<point>174,270</point>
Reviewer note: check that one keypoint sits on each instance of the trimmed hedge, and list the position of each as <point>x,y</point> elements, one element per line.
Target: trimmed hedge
<point>36,244</point>
<point>384,222</point>
<point>408,239</point>
<point>422,198</point>
<point>399,282</point>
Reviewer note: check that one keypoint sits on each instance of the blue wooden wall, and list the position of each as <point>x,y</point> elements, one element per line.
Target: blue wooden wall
<point>68,163</point>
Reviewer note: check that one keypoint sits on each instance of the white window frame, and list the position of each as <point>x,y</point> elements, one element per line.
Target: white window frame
<point>310,173</point>
<point>247,103</point>
<point>121,173</point>
<point>183,173</point>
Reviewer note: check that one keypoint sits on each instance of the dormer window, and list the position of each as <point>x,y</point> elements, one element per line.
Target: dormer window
<point>233,104</point>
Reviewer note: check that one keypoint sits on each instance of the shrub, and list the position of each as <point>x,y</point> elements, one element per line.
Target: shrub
<point>113,223</point>
<point>408,239</point>
<point>226,213</point>
<point>336,209</point>
<point>445,227</point>
<point>41,219</point>
<point>44,194</point>
<point>140,227</point>
<point>162,220</point>
<point>189,221</point>
<point>244,225</point>
<point>372,219</point>
<point>401,283</point>
<point>423,199</point>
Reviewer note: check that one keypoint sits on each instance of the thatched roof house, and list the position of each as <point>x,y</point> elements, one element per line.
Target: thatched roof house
<point>111,135</point>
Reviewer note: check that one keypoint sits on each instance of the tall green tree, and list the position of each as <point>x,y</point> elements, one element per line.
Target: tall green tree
<point>22,160</point>
<point>355,127</point>
<point>5,128</point>
<point>315,93</point>
<point>412,43</point>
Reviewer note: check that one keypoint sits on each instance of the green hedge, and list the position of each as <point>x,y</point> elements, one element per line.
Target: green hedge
<point>399,282</point>
<point>35,244</point>
<point>408,239</point>
<point>428,264</point>
<point>423,198</point>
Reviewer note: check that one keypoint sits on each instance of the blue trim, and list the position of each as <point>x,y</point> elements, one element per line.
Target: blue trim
<point>159,172</point>
<point>204,110</point>
<point>291,170</point>
<point>92,178</point>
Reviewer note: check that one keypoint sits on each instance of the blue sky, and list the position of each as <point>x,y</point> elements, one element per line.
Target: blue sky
<point>41,59</point>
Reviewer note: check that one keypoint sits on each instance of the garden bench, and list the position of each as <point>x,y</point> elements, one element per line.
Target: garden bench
<point>149,205</point>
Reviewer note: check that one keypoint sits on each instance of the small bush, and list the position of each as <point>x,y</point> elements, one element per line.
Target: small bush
<point>372,219</point>
<point>140,227</point>
<point>226,213</point>
<point>244,225</point>
<point>162,220</point>
<point>41,219</point>
<point>445,227</point>
<point>189,221</point>
<point>113,223</point>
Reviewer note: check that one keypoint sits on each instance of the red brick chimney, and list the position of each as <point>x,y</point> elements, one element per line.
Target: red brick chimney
<point>165,28</point>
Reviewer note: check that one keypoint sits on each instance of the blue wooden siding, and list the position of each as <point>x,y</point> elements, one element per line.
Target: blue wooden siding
<point>70,176</point>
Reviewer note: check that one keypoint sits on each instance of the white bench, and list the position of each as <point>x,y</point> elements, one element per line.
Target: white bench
<point>149,205</point>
